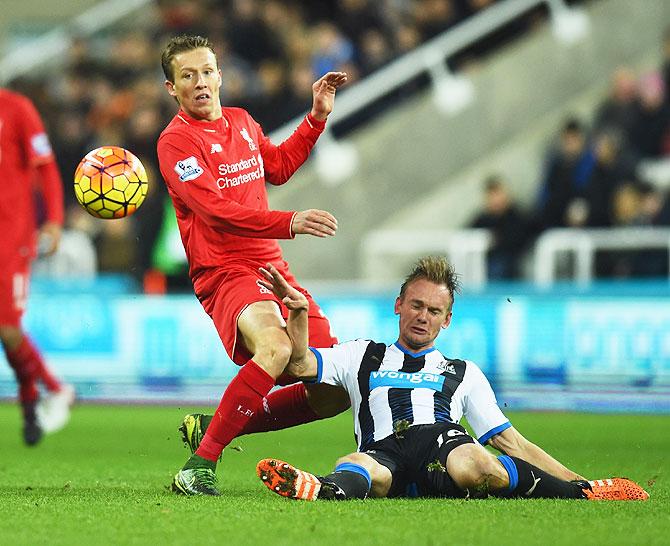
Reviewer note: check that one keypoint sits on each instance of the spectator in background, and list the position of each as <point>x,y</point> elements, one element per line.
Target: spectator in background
<point>560,186</point>
<point>299,96</point>
<point>612,165</point>
<point>433,17</point>
<point>654,206</point>
<point>375,51</point>
<point>508,227</point>
<point>665,64</point>
<point>626,203</point>
<point>652,118</point>
<point>72,140</point>
<point>249,34</point>
<point>273,90</point>
<point>653,210</point>
<point>333,51</point>
<point>357,17</point>
<point>142,130</point>
<point>637,204</point>
<point>619,109</point>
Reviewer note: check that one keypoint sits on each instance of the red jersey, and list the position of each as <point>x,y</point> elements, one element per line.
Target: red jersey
<point>24,146</point>
<point>216,172</point>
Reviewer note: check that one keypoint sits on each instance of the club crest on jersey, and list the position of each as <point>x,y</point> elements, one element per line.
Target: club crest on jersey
<point>446,366</point>
<point>40,144</point>
<point>216,148</point>
<point>245,136</point>
<point>188,169</point>
<point>262,288</point>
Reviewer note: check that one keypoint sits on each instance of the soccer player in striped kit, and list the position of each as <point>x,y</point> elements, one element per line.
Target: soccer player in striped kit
<point>407,400</point>
<point>27,162</point>
<point>216,161</point>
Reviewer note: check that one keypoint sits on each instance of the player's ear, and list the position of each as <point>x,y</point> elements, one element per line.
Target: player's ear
<point>447,321</point>
<point>170,88</point>
<point>396,308</point>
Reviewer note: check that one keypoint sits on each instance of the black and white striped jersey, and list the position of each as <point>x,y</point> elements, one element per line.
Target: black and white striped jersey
<point>391,388</point>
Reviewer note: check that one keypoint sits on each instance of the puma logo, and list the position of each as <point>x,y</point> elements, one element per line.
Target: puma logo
<point>535,482</point>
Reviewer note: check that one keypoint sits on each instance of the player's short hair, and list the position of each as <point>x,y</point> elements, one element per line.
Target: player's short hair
<point>179,44</point>
<point>435,269</point>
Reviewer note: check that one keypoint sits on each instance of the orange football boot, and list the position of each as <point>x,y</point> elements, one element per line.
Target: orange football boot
<point>615,489</point>
<point>287,481</point>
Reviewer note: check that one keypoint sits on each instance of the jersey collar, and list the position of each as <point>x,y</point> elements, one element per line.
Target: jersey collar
<point>217,125</point>
<point>410,353</point>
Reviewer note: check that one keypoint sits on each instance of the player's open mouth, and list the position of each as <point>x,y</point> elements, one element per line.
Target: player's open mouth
<point>203,97</point>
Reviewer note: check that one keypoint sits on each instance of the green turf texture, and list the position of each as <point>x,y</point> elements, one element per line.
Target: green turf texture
<point>103,480</point>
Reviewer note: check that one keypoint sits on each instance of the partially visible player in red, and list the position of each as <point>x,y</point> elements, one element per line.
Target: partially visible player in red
<point>216,161</point>
<point>27,163</point>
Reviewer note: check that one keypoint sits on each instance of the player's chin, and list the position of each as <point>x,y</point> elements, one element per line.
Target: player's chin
<point>201,110</point>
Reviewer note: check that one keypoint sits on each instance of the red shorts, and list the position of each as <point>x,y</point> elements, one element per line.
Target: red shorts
<point>225,293</point>
<point>14,280</point>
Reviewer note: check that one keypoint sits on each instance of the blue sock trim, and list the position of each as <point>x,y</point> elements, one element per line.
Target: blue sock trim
<point>510,467</point>
<point>358,469</point>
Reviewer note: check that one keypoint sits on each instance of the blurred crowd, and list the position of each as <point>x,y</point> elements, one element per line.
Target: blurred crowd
<point>596,175</point>
<point>108,89</point>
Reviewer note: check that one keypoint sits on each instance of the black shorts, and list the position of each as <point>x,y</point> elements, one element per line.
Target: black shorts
<point>417,459</point>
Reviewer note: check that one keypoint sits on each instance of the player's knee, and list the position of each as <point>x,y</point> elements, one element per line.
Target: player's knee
<point>356,458</point>
<point>380,476</point>
<point>472,468</point>
<point>274,352</point>
<point>10,337</point>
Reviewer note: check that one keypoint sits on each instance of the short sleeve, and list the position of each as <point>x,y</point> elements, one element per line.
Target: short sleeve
<point>339,365</point>
<point>481,407</point>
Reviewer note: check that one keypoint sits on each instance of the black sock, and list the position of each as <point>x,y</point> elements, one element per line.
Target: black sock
<point>527,480</point>
<point>347,481</point>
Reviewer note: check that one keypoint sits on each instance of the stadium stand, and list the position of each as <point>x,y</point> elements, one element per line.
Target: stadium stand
<point>104,90</point>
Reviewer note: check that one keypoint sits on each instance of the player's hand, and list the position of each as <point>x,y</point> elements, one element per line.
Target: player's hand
<point>49,238</point>
<point>319,223</point>
<point>323,94</point>
<point>275,281</point>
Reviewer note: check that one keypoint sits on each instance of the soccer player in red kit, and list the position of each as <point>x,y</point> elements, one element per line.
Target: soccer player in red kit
<point>25,159</point>
<point>216,162</point>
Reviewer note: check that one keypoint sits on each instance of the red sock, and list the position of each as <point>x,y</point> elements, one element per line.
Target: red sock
<point>26,368</point>
<point>241,400</point>
<point>27,352</point>
<point>283,408</point>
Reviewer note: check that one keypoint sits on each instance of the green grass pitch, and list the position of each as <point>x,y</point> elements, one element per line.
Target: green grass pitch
<point>103,480</point>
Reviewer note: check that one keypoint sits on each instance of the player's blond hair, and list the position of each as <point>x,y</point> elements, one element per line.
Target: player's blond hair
<point>179,44</point>
<point>435,269</point>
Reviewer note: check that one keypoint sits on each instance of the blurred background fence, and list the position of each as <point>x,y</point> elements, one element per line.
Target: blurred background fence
<point>605,348</point>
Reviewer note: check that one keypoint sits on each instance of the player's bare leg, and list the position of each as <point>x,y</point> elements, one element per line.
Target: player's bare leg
<point>356,476</point>
<point>262,330</point>
<point>480,473</point>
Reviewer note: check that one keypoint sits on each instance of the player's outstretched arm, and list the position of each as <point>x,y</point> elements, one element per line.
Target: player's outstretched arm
<point>303,362</point>
<point>319,223</point>
<point>323,94</point>
<point>511,442</point>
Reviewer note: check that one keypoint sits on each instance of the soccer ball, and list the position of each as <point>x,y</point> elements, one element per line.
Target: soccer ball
<point>110,182</point>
